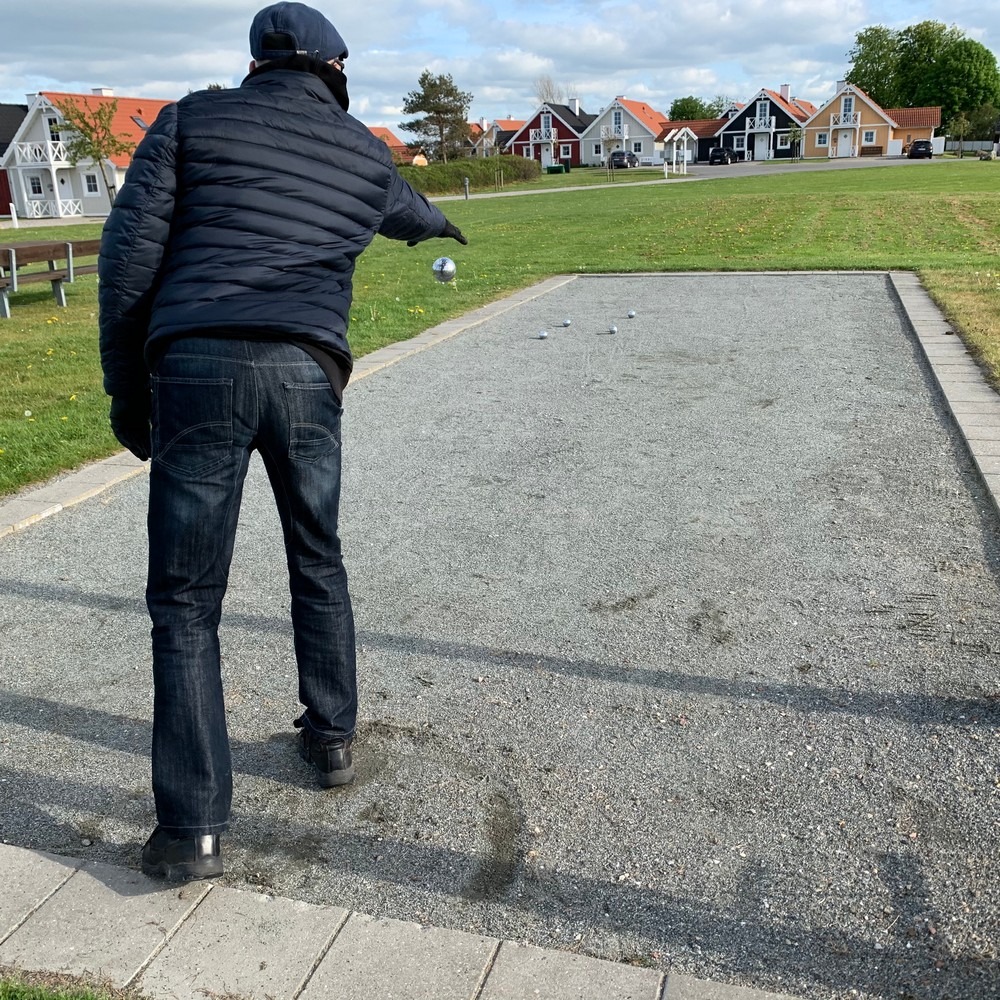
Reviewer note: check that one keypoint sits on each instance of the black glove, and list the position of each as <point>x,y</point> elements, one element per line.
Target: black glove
<point>453,233</point>
<point>130,416</point>
<point>449,232</point>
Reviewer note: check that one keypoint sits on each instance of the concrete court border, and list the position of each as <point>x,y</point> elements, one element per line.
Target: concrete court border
<point>971,401</point>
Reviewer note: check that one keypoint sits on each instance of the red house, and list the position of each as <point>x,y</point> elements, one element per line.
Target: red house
<point>552,134</point>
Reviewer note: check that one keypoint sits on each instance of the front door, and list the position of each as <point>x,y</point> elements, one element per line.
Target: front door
<point>761,145</point>
<point>546,154</point>
<point>845,142</point>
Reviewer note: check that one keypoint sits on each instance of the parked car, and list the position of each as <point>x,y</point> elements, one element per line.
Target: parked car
<point>921,149</point>
<point>622,159</point>
<point>722,154</point>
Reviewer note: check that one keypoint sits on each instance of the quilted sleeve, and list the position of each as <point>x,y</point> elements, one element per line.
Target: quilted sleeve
<point>132,249</point>
<point>409,215</point>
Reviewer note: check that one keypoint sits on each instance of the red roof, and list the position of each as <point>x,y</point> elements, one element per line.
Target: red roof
<point>653,120</point>
<point>702,127</point>
<point>915,117</point>
<point>124,121</point>
<point>791,106</point>
<point>395,144</point>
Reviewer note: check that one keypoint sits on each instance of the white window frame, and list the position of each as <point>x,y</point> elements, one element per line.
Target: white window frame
<point>823,139</point>
<point>598,149</point>
<point>35,185</point>
<point>784,142</point>
<point>868,137</point>
<point>740,143</point>
<point>847,104</point>
<point>637,147</point>
<point>616,118</point>
<point>91,184</point>
<point>53,129</point>
<point>565,151</point>
<point>763,108</point>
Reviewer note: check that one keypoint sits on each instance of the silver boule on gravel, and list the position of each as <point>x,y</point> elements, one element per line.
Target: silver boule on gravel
<point>612,328</point>
<point>444,269</point>
<point>631,314</point>
<point>542,334</point>
<point>567,321</point>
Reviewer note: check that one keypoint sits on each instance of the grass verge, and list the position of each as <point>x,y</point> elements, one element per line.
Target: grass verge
<point>16,984</point>
<point>941,220</point>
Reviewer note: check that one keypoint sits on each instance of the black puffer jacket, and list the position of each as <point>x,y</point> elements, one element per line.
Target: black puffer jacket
<point>244,210</point>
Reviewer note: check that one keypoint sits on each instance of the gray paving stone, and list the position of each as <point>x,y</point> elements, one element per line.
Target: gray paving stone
<point>522,971</point>
<point>397,960</point>
<point>968,392</point>
<point>242,944</point>
<point>688,988</point>
<point>28,878</point>
<point>104,922</point>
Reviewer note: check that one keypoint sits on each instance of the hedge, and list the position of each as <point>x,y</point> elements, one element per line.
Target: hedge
<point>449,178</point>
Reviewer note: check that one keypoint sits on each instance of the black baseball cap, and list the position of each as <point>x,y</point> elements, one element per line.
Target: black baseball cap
<point>288,29</point>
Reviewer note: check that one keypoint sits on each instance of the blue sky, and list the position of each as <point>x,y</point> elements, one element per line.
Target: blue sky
<point>497,50</point>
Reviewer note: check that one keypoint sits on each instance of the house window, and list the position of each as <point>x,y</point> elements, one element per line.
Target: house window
<point>35,183</point>
<point>597,149</point>
<point>739,142</point>
<point>546,122</point>
<point>637,148</point>
<point>783,141</point>
<point>565,152</point>
<point>91,181</point>
<point>869,137</point>
<point>847,105</point>
<point>822,138</point>
<point>762,108</point>
<point>616,119</point>
<point>53,126</point>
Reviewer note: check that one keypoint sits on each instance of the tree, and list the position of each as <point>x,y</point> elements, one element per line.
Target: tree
<point>920,48</point>
<point>983,121</point>
<point>875,64</point>
<point>685,109</point>
<point>443,127</point>
<point>717,105</point>
<point>94,138</point>
<point>549,92</point>
<point>795,139</point>
<point>924,65</point>
<point>965,78</point>
<point>958,128</point>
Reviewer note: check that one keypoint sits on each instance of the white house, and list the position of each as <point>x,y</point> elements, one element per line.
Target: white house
<point>44,183</point>
<point>630,125</point>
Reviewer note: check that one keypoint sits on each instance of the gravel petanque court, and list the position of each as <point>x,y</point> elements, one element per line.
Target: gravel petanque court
<point>679,646</point>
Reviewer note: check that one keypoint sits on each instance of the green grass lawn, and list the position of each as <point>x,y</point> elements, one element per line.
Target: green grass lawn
<point>18,985</point>
<point>940,220</point>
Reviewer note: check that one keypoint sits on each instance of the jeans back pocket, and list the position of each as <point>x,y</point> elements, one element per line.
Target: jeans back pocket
<point>192,423</point>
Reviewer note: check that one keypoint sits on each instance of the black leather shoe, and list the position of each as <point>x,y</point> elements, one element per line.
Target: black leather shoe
<point>181,859</point>
<point>331,757</point>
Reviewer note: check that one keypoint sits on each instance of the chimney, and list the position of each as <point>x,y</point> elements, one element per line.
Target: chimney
<point>574,103</point>
<point>482,124</point>
<point>102,92</point>
<point>841,84</point>
<point>786,92</point>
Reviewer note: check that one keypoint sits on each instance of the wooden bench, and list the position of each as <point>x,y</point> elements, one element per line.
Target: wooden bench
<point>61,265</point>
<point>871,150</point>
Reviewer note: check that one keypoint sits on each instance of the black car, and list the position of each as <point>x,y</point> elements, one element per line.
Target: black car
<point>921,149</point>
<point>621,159</point>
<point>722,154</point>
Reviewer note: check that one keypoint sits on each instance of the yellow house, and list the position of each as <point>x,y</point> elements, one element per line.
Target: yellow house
<point>852,124</point>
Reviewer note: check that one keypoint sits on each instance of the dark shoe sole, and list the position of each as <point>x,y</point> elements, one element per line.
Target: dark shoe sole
<point>328,779</point>
<point>184,871</point>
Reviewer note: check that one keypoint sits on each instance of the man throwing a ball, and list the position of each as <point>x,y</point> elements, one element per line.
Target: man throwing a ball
<point>225,291</point>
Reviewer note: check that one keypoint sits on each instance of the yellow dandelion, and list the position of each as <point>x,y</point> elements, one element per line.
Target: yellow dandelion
<point>72,398</point>
<point>64,418</point>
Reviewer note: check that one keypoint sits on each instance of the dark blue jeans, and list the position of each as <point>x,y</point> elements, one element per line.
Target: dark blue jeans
<point>214,402</point>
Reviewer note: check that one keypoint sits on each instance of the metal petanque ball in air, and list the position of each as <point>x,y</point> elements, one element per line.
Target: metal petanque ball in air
<point>444,269</point>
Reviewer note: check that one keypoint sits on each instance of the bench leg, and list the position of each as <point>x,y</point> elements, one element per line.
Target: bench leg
<point>59,293</point>
<point>4,304</point>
